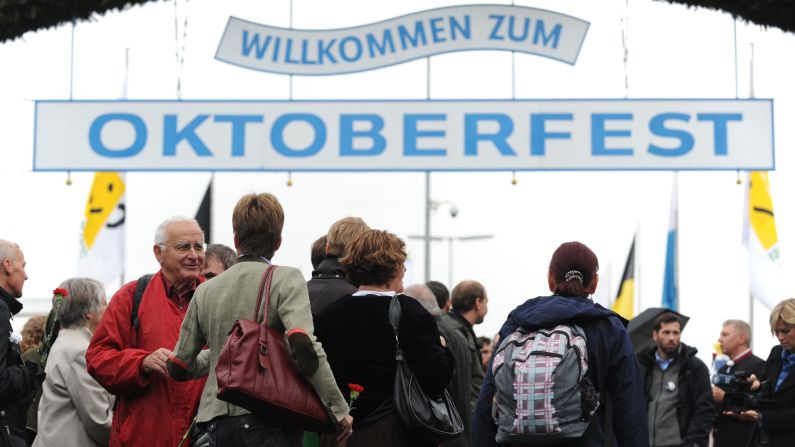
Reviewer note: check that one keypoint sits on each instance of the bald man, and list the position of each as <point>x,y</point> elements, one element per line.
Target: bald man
<point>18,381</point>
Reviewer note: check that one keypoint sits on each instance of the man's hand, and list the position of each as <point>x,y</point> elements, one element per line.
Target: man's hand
<point>156,362</point>
<point>717,394</point>
<point>346,430</point>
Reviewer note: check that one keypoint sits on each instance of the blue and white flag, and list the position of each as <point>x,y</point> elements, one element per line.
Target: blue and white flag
<point>670,298</point>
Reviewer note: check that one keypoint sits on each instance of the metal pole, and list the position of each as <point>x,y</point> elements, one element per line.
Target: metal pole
<point>450,262</point>
<point>427,236</point>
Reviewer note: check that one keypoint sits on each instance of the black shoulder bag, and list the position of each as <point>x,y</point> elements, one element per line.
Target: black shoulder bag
<point>435,419</point>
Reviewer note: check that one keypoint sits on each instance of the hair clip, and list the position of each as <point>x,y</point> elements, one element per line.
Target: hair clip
<point>573,274</point>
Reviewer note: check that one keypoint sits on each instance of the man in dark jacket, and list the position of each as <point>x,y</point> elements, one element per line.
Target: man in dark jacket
<point>470,305</point>
<point>328,283</point>
<point>678,389</point>
<point>611,367</point>
<point>735,342</point>
<point>18,380</point>
<point>459,386</point>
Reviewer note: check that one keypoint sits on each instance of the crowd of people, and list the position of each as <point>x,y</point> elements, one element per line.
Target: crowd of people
<point>140,368</point>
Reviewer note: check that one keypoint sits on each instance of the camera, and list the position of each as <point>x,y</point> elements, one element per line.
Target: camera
<point>453,211</point>
<point>739,397</point>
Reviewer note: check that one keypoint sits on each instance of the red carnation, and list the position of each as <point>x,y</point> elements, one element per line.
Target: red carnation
<point>60,291</point>
<point>355,387</point>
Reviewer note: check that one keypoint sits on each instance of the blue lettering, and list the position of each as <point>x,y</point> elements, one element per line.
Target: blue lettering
<point>172,136</point>
<point>657,127</point>
<point>498,19</point>
<point>500,138</point>
<point>455,27</point>
<point>437,31</point>
<point>411,134</point>
<point>512,28</point>
<point>277,134</point>
<point>254,43</point>
<point>554,35</point>
<point>348,134</point>
<point>276,45</point>
<point>721,121</point>
<point>414,39</point>
<point>95,135</point>
<point>357,45</point>
<point>539,134</point>
<point>288,52</point>
<point>238,130</point>
<point>305,53</point>
<point>325,51</point>
<point>386,41</point>
<point>599,133</point>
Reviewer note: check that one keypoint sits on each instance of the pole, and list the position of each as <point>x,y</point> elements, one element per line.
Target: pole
<point>450,262</point>
<point>427,235</point>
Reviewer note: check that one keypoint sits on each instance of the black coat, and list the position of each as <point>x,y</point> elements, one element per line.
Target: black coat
<point>328,284</point>
<point>779,419</point>
<point>696,411</point>
<point>360,345</point>
<point>461,382</point>
<point>730,431</point>
<point>16,387</point>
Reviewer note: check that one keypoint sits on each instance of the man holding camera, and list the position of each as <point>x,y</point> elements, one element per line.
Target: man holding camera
<point>679,401</point>
<point>735,342</point>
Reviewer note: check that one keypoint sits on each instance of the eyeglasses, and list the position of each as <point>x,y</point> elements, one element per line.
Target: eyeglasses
<point>184,247</point>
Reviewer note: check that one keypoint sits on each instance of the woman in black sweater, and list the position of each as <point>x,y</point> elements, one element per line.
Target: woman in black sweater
<point>360,345</point>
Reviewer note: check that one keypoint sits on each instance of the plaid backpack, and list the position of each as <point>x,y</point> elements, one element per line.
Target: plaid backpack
<point>542,393</point>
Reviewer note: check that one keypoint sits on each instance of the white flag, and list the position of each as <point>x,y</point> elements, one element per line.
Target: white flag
<point>761,240</point>
<point>102,238</point>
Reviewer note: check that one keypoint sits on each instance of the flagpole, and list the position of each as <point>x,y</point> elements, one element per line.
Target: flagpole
<point>638,306</point>
<point>751,94</point>
<point>677,253</point>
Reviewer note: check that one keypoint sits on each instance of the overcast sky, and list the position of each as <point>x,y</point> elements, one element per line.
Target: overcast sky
<point>673,52</point>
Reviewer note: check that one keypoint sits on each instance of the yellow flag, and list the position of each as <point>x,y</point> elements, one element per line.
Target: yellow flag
<point>625,300</point>
<point>102,238</point>
<point>761,240</point>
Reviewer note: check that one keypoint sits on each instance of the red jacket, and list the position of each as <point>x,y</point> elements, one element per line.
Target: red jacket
<point>151,409</point>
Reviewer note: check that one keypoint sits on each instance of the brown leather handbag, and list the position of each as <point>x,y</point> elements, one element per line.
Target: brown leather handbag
<point>255,372</point>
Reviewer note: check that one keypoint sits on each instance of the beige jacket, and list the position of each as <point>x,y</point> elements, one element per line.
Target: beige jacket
<point>74,409</point>
<point>230,296</point>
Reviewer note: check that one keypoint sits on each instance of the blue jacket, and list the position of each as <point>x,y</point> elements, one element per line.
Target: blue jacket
<point>612,368</point>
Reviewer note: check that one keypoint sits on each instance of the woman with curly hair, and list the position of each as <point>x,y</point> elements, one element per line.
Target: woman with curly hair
<point>360,344</point>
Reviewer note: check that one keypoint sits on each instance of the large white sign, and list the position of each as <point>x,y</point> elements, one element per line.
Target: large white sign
<point>434,135</point>
<point>414,36</point>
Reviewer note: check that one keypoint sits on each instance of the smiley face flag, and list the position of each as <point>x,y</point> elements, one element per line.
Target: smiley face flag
<point>102,237</point>
<point>761,240</point>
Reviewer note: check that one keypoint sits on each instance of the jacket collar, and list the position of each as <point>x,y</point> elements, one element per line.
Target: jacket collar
<point>14,306</point>
<point>329,267</point>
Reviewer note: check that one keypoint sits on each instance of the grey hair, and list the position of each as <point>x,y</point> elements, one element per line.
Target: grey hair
<point>741,326</point>
<point>425,296</point>
<point>160,233</point>
<point>85,295</point>
<point>8,250</point>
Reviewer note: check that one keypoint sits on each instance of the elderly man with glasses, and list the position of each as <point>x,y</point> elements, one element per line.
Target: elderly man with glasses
<point>129,359</point>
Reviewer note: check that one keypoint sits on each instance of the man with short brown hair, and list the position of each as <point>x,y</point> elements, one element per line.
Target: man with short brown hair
<point>470,305</point>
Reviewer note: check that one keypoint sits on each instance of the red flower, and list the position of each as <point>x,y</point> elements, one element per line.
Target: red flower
<point>60,291</point>
<point>355,387</point>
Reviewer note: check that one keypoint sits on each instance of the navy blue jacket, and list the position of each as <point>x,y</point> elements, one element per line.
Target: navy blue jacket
<point>612,368</point>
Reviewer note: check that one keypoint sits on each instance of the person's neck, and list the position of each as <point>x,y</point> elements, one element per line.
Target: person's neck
<point>471,316</point>
<point>180,288</point>
<point>741,352</point>
<point>663,356</point>
<point>373,288</point>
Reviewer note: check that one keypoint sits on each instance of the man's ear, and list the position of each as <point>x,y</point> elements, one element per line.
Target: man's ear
<point>158,250</point>
<point>7,267</point>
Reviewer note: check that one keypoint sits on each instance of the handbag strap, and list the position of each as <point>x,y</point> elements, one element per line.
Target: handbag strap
<point>264,289</point>
<point>395,312</point>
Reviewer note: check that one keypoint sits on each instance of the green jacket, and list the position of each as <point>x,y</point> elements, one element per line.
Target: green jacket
<point>230,296</point>
<point>463,327</point>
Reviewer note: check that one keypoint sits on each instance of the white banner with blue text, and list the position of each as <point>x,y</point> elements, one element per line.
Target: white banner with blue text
<point>401,39</point>
<point>404,135</point>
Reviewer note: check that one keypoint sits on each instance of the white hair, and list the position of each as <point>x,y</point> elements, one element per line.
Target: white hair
<point>8,250</point>
<point>85,295</point>
<point>160,233</point>
<point>425,296</point>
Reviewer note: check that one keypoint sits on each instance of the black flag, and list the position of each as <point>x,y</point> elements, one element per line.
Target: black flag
<point>204,214</point>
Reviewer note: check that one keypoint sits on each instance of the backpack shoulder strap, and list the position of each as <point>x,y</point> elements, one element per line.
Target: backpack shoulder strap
<point>140,288</point>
